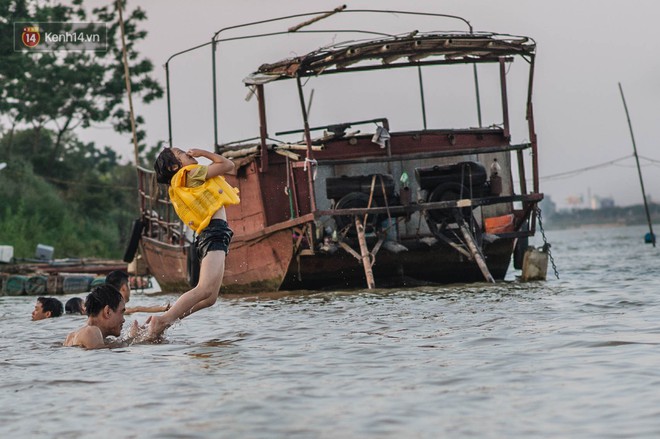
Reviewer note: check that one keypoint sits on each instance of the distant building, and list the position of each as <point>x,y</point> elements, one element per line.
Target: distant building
<point>597,202</point>
<point>548,207</point>
<point>606,202</point>
<point>574,201</point>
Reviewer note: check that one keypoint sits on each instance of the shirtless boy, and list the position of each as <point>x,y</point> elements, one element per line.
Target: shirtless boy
<point>105,308</point>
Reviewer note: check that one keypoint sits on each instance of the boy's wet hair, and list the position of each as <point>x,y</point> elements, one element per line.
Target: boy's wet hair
<point>117,278</point>
<point>101,296</point>
<point>166,166</point>
<point>51,304</point>
<point>74,306</point>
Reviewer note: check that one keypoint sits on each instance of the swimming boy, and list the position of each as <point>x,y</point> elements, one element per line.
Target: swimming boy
<point>119,280</point>
<point>75,305</point>
<point>105,308</point>
<point>47,307</point>
<point>199,195</point>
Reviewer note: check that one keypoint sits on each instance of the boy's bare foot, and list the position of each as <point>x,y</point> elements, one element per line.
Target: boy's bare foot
<point>157,326</point>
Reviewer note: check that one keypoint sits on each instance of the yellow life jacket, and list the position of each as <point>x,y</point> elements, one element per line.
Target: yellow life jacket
<point>196,205</point>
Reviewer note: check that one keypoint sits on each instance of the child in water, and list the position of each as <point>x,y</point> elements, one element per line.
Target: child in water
<point>199,195</point>
<point>105,308</point>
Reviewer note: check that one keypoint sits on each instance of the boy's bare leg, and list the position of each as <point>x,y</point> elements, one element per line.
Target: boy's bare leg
<point>202,296</point>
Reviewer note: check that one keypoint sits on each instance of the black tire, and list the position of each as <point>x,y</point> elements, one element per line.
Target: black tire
<point>447,192</point>
<point>193,265</point>
<point>521,246</point>
<point>134,241</point>
<point>355,200</point>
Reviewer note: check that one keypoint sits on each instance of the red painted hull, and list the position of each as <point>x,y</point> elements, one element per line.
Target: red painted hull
<point>167,263</point>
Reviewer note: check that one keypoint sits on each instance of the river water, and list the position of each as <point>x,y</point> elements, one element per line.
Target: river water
<point>574,357</point>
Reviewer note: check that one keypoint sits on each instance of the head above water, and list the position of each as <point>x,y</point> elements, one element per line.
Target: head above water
<point>168,163</point>
<point>100,297</point>
<point>75,305</point>
<point>105,308</point>
<point>120,280</point>
<point>47,307</point>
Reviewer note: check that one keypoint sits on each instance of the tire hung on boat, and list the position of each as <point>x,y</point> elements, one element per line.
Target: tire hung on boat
<point>134,241</point>
<point>521,246</point>
<point>355,200</point>
<point>192,264</point>
<point>449,191</point>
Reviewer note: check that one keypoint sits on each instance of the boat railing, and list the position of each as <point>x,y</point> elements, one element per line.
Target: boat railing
<point>399,210</point>
<point>420,156</point>
<point>157,213</point>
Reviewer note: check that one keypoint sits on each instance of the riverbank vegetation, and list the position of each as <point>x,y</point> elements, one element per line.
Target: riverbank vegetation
<point>82,204</point>
<point>78,197</point>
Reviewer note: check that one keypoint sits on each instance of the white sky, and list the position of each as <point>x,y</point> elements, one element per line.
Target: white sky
<point>584,48</point>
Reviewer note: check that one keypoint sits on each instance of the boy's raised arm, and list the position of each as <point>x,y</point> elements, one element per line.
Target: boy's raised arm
<point>220,166</point>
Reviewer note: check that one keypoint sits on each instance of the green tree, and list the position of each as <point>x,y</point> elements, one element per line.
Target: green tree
<point>66,90</point>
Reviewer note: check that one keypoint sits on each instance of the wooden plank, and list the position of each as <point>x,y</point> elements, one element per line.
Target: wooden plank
<point>476,253</point>
<point>364,253</point>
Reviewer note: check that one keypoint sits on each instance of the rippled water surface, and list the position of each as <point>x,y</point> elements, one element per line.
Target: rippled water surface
<point>575,357</point>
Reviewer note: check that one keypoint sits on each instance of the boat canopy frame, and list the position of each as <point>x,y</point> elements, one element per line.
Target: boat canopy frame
<point>525,43</point>
<point>386,51</point>
<point>407,50</point>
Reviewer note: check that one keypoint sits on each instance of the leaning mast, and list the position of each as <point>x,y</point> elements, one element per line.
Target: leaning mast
<point>639,169</point>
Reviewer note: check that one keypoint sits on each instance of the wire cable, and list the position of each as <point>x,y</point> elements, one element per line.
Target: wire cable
<point>574,172</point>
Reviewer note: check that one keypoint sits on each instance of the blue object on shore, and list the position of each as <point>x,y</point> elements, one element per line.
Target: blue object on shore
<point>648,238</point>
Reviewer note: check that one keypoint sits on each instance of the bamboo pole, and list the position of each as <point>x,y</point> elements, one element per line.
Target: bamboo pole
<point>315,19</point>
<point>364,254</point>
<point>298,147</point>
<point>639,169</point>
<point>128,82</point>
<point>240,152</point>
<point>476,253</point>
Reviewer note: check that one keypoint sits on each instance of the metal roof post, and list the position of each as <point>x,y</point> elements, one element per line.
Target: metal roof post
<point>309,158</point>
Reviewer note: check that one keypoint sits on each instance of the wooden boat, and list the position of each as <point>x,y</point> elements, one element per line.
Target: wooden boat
<point>361,203</point>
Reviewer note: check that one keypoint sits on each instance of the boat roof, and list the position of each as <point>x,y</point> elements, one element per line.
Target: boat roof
<point>411,49</point>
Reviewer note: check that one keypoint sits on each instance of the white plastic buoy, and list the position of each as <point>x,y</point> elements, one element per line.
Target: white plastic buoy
<point>495,179</point>
<point>535,264</point>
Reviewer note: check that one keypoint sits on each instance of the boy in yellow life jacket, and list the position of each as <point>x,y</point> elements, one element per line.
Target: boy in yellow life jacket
<point>199,194</point>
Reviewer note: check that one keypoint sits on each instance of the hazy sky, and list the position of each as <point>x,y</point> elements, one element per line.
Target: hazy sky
<point>584,48</point>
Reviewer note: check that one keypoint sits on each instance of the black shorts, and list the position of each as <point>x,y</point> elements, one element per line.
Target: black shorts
<point>216,236</point>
